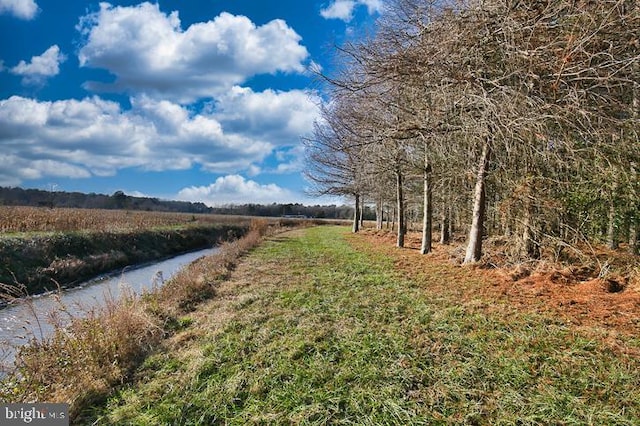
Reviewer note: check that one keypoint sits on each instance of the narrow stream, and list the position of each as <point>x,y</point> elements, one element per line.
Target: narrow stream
<point>21,322</point>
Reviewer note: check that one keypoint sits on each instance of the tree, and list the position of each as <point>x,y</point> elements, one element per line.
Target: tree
<point>530,108</point>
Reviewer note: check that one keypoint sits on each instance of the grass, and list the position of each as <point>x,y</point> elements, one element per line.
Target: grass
<point>88,357</point>
<point>311,330</point>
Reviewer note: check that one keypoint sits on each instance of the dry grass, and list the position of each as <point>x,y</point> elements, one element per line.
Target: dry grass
<point>84,359</point>
<point>583,293</point>
<point>40,219</point>
<point>87,357</point>
<point>197,283</point>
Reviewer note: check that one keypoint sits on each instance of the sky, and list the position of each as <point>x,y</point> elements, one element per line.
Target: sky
<point>199,100</point>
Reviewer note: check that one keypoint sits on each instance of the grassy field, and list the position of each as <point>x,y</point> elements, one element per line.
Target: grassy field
<point>17,220</point>
<point>315,327</point>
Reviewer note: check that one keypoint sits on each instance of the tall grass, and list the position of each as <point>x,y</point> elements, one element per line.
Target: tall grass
<point>40,219</point>
<point>87,357</point>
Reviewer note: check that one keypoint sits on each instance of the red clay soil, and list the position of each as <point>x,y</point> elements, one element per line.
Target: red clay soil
<point>613,304</point>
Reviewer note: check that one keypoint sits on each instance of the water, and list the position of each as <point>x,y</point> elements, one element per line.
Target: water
<point>24,321</point>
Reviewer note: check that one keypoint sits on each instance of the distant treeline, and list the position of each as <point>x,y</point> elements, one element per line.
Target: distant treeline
<point>121,201</point>
<point>293,210</point>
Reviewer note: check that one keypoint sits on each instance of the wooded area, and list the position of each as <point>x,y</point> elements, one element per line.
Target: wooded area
<point>506,118</point>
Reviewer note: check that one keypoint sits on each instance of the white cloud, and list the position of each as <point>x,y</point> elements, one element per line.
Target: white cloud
<point>343,9</point>
<point>14,169</point>
<point>254,170</point>
<point>280,117</point>
<point>373,6</point>
<point>290,160</point>
<point>80,138</point>
<point>41,67</point>
<point>23,9</point>
<point>339,9</point>
<point>149,52</point>
<point>101,137</point>
<point>136,194</point>
<point>235,189</point>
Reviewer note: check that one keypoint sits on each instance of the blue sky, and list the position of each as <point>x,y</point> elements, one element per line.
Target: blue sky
<point>199,100</point>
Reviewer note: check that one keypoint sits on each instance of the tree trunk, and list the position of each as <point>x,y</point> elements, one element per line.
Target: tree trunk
<point>634,220</point>
<point>361,212</point>
<point>379,215</point>
<point>474,244</point>
<point>428,210</point>
<point>529,245</point>
<point>633,235</point>
<point>445,236</point>
<point>393,219</point>
<point>400,208</point>
<point>356,221</point>
<point>445,217</point>
<point>612,238</point>
<point>388,219</point>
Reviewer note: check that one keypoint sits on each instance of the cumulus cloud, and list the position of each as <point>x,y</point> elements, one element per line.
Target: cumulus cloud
<point>99,136</point>
<point>235,189</point>
<point>41,67</point>
<point>148,52</point>
<point>23,9</point>
<point>343,9</point>
<point>339,9</point>
<point>80,138</point>
<point>280,117</point>
<point>290,160</point>
<point>14,169</point>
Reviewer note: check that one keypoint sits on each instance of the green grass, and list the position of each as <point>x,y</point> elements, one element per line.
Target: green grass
<point>314,332</point>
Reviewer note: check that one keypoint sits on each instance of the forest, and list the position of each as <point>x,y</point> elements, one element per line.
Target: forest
<point>503,119</point>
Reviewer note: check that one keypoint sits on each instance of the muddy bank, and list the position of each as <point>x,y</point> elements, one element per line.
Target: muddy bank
<point>33,265</point>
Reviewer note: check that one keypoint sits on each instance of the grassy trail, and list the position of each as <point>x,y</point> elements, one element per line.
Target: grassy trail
<point>310,330</point>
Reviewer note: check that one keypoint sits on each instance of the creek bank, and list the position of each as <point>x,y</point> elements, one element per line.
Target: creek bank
<point>38,264</point>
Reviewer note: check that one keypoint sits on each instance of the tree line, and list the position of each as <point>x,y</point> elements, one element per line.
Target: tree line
<point>509,118</point>
<point>317,211</point>
<point>121,201</point>
<point>118,200</point>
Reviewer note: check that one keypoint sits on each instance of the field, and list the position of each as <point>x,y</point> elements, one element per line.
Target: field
<point>45,249</point>
<point>39,219</point>
<point>343,333</point>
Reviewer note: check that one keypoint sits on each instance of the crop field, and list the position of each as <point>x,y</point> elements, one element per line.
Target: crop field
<point>42,219</point>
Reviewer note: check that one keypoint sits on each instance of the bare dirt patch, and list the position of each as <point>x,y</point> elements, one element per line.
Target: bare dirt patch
<point>573,295</point>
